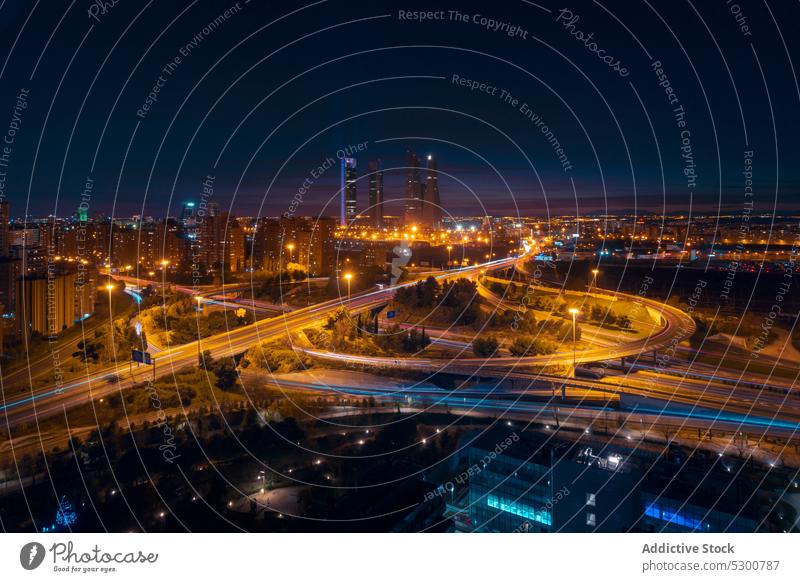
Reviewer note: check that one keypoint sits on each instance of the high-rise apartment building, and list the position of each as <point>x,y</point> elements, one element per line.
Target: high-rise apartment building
<point>310,242</point>
<point>233,253</point>
<point>349,209</point>
<point>49,304</point>
<point>431,207</point>
<point>375,194</point>
<point>413,190</point>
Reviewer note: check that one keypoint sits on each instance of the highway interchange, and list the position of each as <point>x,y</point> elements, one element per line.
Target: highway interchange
<point>685,399</point>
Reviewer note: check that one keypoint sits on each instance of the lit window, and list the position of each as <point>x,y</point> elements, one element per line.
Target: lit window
<point>591,519</point>
<point>590,499</point>
<point>512,506</point>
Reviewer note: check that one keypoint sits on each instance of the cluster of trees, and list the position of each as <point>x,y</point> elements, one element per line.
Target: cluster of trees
<point>509,320</point>
<point>190,327</point>
<point>455,302</point>
<point>164,312</point>
<point>534,338</point>
<point>351,333</point>
<point>227,378</point>
<point>360,334</point>
<point>177,315</point>
<point>486,346</point>
<point>271,285</point>
<point>110,342</point>
<point>608,317</point>
<point>527,345</point>
<point>395,339</point>
<point>277,357</point>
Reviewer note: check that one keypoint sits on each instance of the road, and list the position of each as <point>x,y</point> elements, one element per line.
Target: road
<point>677,326</point>
<point>587,401</point>
<point>45,401</point>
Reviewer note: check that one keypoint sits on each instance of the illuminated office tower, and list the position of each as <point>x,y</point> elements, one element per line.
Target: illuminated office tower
<point>431,207</point>
<point>375,194</point>
<point>349,197</point>
<point>413,189</point>
<point>187,213</point>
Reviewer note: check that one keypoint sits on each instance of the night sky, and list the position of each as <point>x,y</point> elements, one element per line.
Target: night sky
<point>264,96</point>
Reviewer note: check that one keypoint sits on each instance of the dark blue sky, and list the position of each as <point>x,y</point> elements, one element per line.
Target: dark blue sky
<point>271,102</point>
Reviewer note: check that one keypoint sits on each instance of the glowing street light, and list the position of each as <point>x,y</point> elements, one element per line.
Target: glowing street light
<point>290,247</point>
<point>449,248</point>
<point>348,277</point>
<point>199,300</point>
<point>574,311</point>
<point>594,277</point>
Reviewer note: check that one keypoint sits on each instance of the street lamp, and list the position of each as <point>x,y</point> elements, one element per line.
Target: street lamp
<point>574,311</point>
<point>348,277</point>
<point>594,278</point>
<point>199,300</point>
<point>449,248</point>
<point>164,263</point>
<point>290,246</point>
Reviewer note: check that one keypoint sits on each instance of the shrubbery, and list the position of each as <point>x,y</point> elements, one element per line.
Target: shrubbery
<point>530,346</point>
<point>485,347</point>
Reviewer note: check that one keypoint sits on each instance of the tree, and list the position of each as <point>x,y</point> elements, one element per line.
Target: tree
<point>520,346</point>
<point>530,346</point>
<point>485,347</point>
<point>423,294</point>
<point>88,351</point>
<point>415,340</point>
<point>527,323</point>
<point>461,297</point>
<point>225,371</point>
<point>391,340</point>
<point>428,292</point>
<point>205,361</point>
<point>699,335</point>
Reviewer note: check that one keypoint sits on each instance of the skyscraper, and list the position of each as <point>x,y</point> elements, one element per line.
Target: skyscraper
<point>375,194</point>
<point>431,207</point>
<point>413,189</point>
<point>349,199</point>
<point>187,212</point>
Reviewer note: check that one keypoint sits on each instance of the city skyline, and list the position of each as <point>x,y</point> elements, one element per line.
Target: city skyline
<point>366,267</point>
<point>419,107</point>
